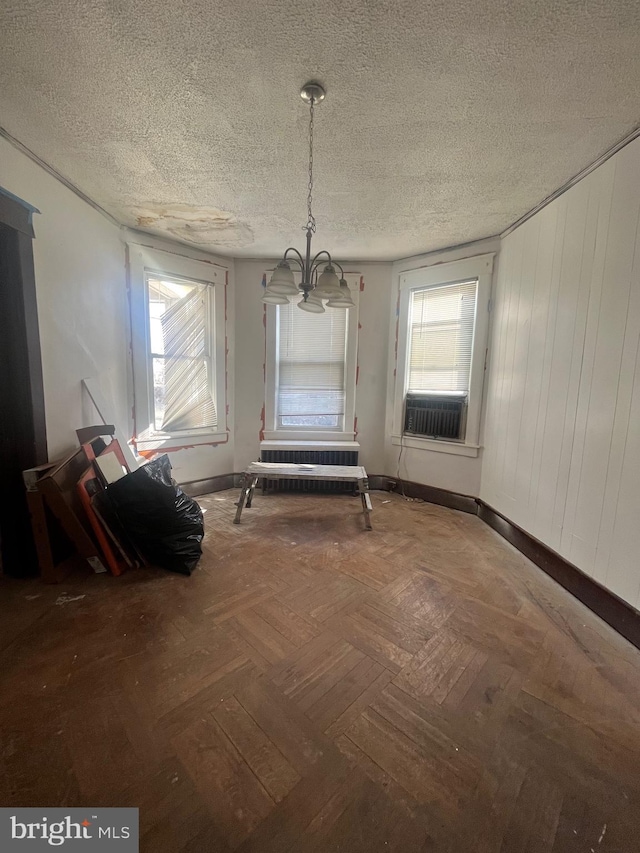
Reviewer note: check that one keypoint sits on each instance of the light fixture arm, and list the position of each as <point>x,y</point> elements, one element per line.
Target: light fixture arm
<point>321,252</point>
<point>299,259</point>
<point>315,263</point>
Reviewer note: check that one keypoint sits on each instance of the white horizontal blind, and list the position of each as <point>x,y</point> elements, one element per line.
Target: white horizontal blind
<point>441,323</point>
<point>311,368</point>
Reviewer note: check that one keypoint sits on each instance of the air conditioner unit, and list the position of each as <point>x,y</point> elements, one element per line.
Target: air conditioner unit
<point>436,415</point>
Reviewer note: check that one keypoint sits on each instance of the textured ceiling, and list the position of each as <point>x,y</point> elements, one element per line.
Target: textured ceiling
<point>444,121</point>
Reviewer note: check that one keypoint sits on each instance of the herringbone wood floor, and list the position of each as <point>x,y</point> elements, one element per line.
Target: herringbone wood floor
<point>313,687</point>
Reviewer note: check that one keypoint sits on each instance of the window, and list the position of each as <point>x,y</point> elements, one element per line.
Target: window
<point>311,368</point>
<point>311,365</point>
<point>177,310</point>
<point>441,321</point>
<point>180,337</point>
<point>442,339</point>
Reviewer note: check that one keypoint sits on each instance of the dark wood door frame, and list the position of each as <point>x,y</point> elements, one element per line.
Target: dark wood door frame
<point>23,438</point>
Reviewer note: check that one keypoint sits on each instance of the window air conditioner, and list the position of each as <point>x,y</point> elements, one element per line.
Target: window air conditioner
<point>435,415</point>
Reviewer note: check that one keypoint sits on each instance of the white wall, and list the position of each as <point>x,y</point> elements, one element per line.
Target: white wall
<point>84,317</point>
<point>82,302</point>
<point>372,360</point>
<point>562,457</point>
<point>433,468</point>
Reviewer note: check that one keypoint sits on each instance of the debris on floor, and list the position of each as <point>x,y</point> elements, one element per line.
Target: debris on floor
<point>91,506</point>
<point>66,599</point>
<point>165,525</point>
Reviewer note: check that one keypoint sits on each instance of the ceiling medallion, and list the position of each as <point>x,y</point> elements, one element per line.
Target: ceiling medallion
<point>315,286</point>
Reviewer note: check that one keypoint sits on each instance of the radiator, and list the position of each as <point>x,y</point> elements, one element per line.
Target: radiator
<point>310,457</point>
<point>435,416</point>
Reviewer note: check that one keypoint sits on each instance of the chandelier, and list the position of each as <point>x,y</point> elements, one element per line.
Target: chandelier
<point>315,286</point>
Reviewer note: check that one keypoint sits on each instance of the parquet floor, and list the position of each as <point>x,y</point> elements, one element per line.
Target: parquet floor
<point>313,687</point>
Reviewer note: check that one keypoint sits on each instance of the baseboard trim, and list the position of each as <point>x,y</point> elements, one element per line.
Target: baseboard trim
<point>621,616</point>
<point>430,494</point>
<point>211,484</point>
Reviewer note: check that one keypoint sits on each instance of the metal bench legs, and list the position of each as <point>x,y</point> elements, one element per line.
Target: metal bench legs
<point>363,488</point>
<point>249,484</point>
<point>246,494</point>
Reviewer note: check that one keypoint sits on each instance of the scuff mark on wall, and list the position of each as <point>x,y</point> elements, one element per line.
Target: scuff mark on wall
<point>361,283</point>
<point>203,226</point>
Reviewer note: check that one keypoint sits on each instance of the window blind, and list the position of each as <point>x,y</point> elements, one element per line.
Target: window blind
<point>311,368</point>
<point>441,323</point>
<point>180,342</point>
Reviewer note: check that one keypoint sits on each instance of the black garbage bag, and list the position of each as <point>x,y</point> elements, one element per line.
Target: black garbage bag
<point>163,523</point>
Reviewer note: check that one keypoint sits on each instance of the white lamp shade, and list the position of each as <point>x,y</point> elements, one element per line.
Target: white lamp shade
<point>328,284</point>
<point>274,298</point>
<point>282,281</point>
<point>313,306</point>
<point>343,298</point>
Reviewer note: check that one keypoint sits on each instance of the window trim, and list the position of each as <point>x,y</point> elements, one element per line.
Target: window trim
<point>271,432</point>
<point>480,268</point>
<point>143,260</point>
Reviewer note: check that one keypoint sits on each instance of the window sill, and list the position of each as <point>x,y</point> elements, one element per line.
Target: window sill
<point>325,436</point>
<point>176,440</point>
<point>453,447</point>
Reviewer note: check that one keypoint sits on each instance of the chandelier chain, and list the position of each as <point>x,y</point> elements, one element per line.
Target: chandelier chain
<point>313,284</point>
<point>311,222</point>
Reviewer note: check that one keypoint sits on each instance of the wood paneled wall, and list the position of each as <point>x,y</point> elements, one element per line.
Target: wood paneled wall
<point>562,426</point>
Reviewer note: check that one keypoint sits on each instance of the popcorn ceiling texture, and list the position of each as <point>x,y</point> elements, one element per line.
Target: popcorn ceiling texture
<point>444,121</point>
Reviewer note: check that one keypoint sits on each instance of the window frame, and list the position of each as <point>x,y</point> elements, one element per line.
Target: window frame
<point>478,268</point>
<point>144,261</point>
<point>271,430</point>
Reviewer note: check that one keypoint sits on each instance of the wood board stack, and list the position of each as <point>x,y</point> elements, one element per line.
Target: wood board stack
<point>68,520</point>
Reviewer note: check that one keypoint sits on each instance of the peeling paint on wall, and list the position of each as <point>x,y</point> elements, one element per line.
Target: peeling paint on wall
<point>150,454</point>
